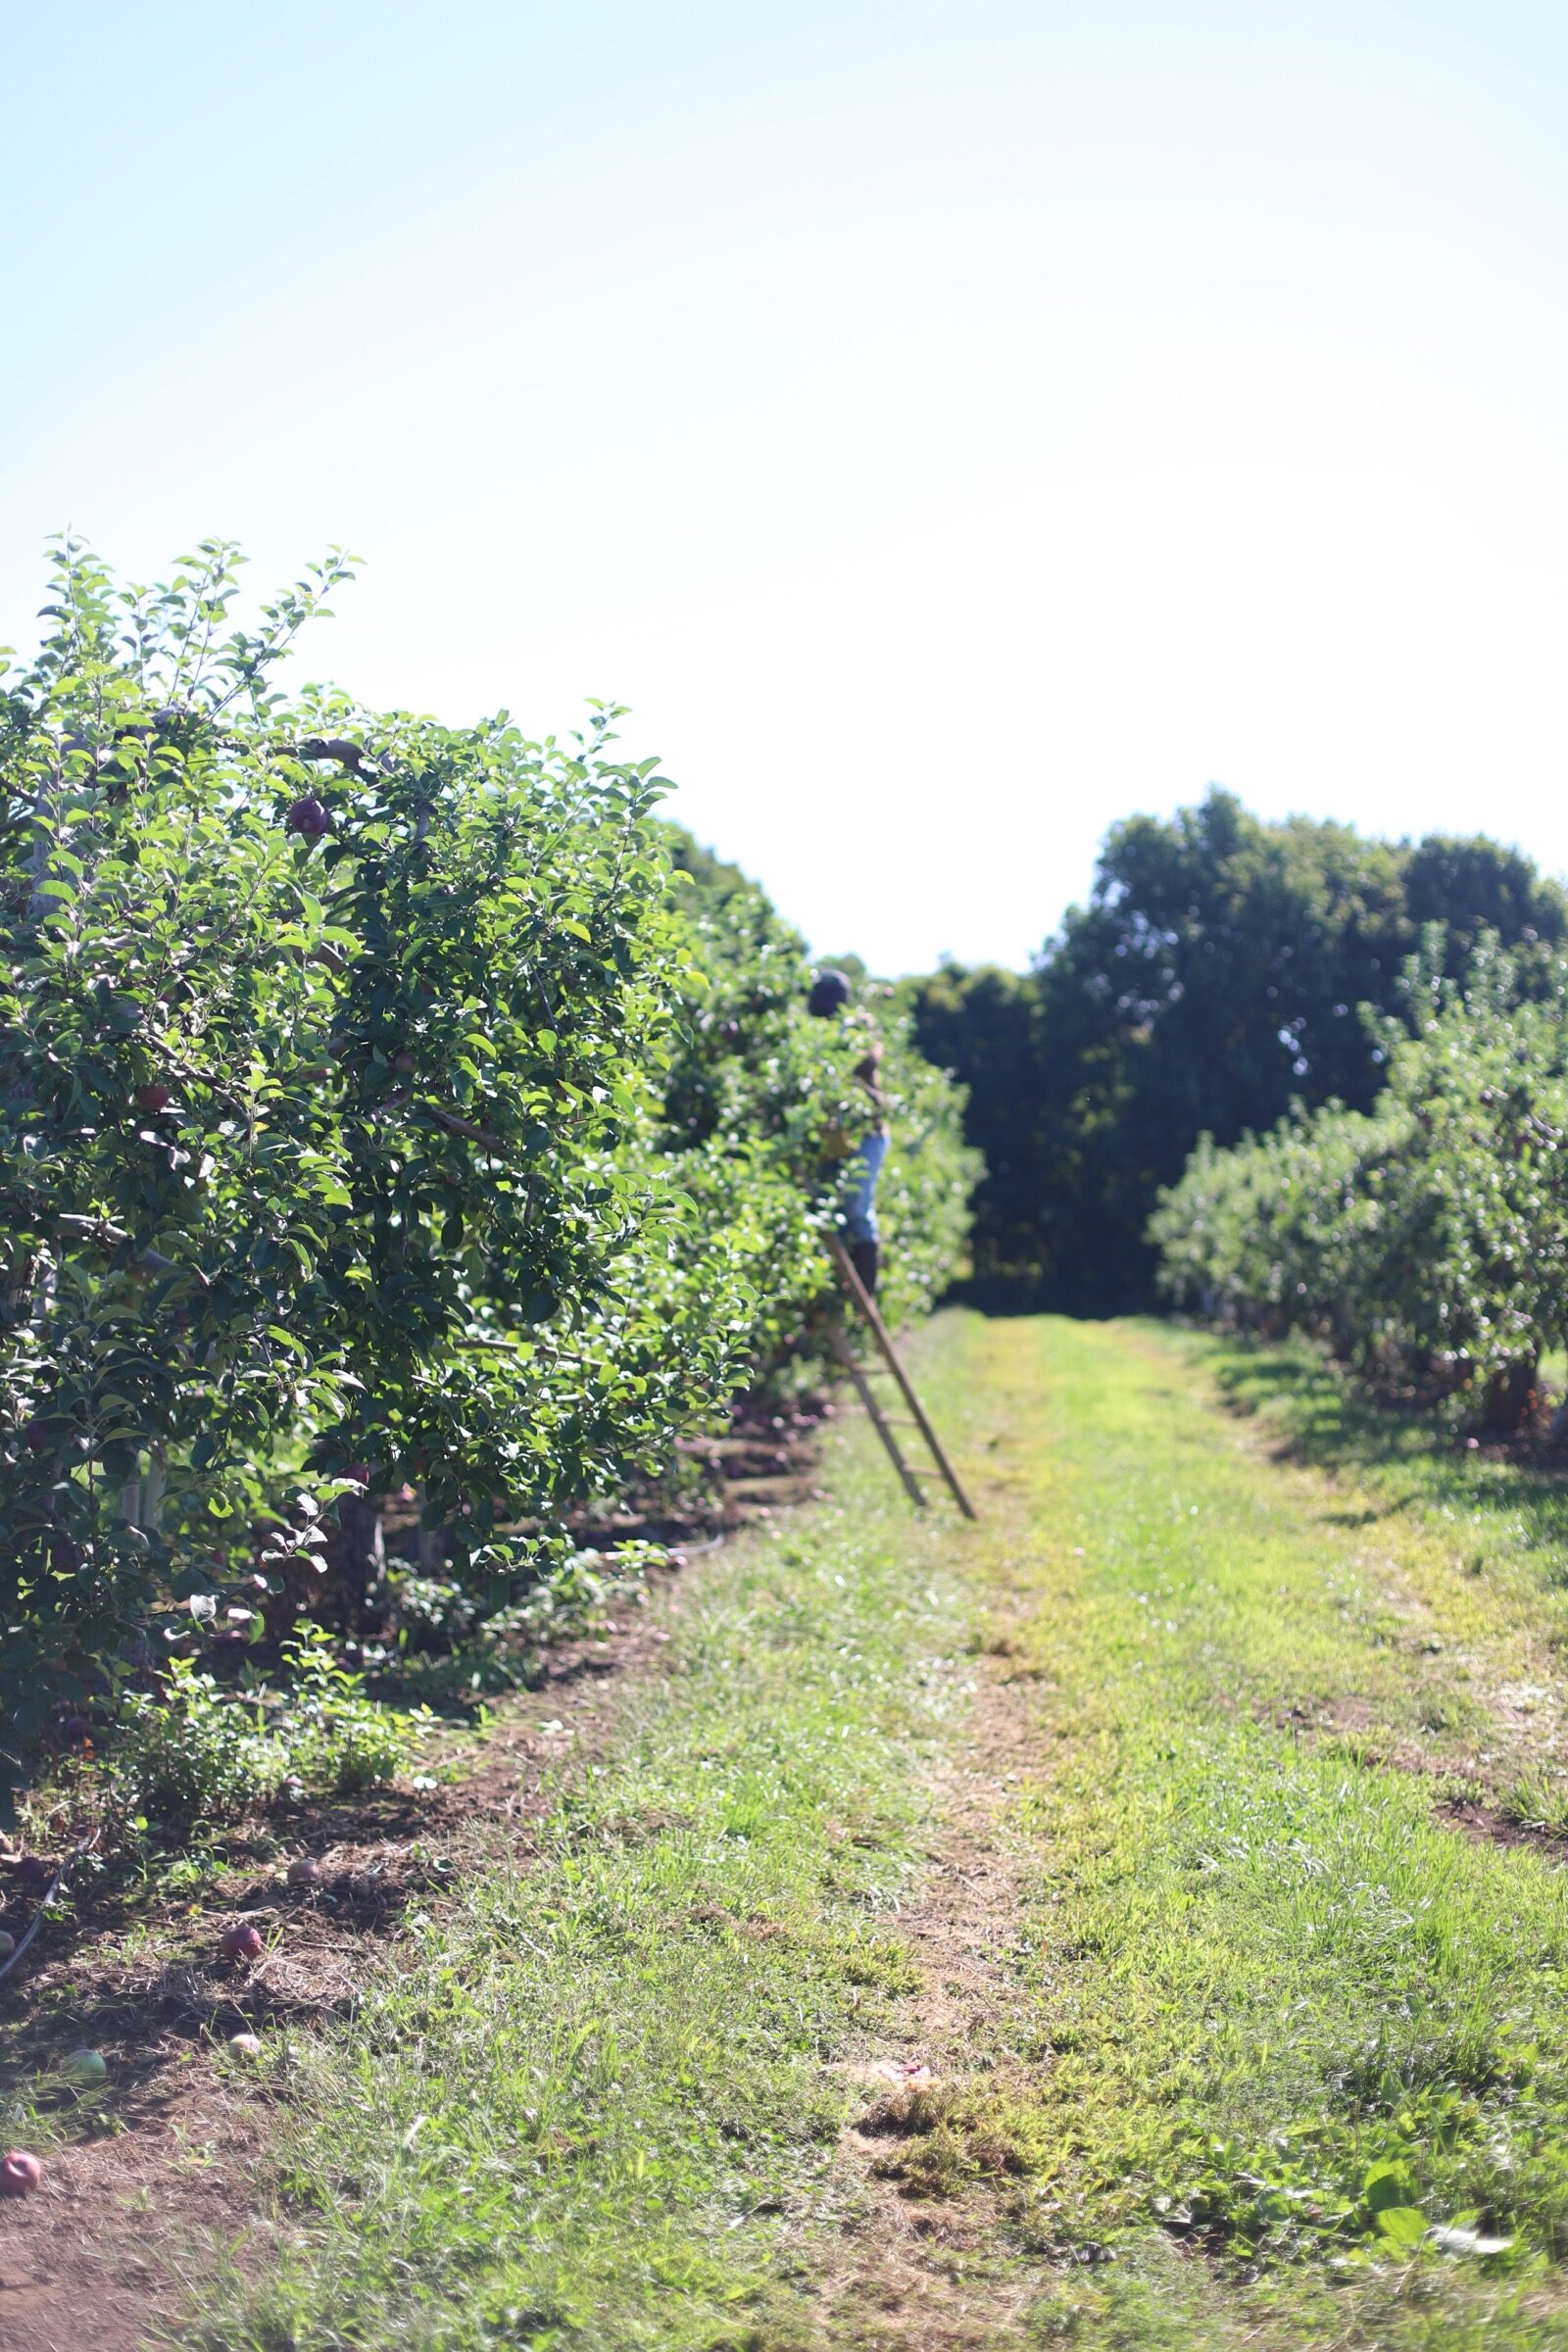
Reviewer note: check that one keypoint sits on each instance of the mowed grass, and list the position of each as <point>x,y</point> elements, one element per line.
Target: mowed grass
<point>593,2101</point>
<point>1291,2018</point>
<point>1276,2016</point>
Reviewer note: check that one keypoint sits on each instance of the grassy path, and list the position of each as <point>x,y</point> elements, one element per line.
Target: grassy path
<point>1051,1932</point>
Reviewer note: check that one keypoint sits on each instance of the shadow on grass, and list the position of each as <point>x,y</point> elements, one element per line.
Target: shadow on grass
<point>1511,1495</point>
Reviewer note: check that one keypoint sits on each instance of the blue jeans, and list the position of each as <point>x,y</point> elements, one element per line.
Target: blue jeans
<point>860,1213</point>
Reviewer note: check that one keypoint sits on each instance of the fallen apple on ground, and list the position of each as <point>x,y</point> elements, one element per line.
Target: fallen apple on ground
<point>85,2067</point>
<point>244,2045</point>
<point>242,1942</point>
<point>19,2172</point>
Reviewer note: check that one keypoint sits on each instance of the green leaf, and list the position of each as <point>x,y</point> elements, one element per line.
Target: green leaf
<point>1386,2185</point>
<point>1403,2225</point>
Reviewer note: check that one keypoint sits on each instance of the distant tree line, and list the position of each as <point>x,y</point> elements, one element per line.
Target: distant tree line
<point>1215,976</point>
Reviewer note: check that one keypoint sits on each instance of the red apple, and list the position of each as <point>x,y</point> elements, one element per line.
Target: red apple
<point>32,1871</point>
<point>154,1097</point>
<point>244,2045</point>
<point>303,1871</point>
<point>8,1943</point>
<point>242,1942</point>
<point>74,1730</point>
<point>36,1433</point>
<point>309,818</point>
<point>19,2172</point>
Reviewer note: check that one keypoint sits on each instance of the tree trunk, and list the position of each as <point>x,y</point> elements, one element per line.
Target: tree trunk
<point>356,1559</point>
<point>1509,1395</point>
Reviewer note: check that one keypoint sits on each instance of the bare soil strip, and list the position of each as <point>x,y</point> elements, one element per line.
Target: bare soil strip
<point>919,2272</point>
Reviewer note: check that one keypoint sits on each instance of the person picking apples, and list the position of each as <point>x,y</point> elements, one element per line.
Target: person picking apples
<point>828,996</point>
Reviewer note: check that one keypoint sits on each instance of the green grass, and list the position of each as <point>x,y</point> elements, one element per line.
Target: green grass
<point>1275,2015</point>
<point>1295,2015</point>
<point>1473,1549</point>
<point>580,2107</point>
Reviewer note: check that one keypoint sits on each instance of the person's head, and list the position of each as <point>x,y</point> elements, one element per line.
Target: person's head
<point>830,993</point>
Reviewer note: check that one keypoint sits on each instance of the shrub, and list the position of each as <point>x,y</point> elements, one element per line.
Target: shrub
<point>374,1111</point>
<point>313,1147</point>
<point>335,1737</point>
<point>1428,1239</point>
<point>191,1748</point>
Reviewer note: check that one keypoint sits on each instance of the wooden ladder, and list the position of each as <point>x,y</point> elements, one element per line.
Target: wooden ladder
<point>892,1367</point>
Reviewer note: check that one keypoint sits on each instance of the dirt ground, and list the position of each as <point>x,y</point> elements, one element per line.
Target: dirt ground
<point>919,2273</point>
<point>100,2255</point>
<point>155,2179</point>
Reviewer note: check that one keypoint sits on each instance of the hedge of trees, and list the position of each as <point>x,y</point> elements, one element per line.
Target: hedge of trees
<point>1425,1240</point>
<point>1213,976</point>
<point>383,1104</point>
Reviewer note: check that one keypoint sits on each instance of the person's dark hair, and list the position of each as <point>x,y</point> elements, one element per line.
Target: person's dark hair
<point>830,993</point>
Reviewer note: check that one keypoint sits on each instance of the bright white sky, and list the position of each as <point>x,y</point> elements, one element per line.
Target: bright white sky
<point>950,427</point>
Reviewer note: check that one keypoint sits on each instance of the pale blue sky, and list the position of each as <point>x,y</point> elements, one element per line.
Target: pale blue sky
<point>950,428</point>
